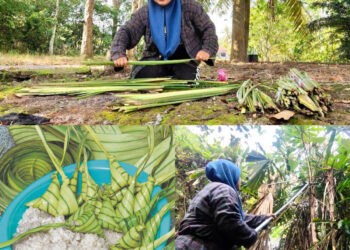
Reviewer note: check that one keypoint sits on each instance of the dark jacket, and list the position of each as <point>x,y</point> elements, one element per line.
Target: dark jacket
<point>197,33</point>
<point>213,221</point>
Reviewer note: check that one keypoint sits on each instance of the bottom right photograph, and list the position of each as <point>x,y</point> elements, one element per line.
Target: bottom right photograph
<point>262,187</point>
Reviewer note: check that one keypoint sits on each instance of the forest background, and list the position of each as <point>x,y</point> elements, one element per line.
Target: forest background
<point>275,30</point>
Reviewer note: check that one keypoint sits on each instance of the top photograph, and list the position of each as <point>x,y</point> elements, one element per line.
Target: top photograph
<point>175,62</point>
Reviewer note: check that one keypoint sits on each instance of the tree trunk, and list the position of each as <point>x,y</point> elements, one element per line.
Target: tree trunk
<point>332,194</point>
<point>272,8</point>
<point>135,6</point>
<point>54,27</point>
<point>265,206</point>
<point>312,200</point>
<point>86,44</point>
<point>312,204</point>
<point>240,30</point>
<point>246,27</point>
<point>232,56</point>
<point>116,6</point>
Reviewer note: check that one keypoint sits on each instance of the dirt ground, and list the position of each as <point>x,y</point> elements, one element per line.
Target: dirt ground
<point>212,111</point>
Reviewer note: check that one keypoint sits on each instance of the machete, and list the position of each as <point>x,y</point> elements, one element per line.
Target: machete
<point>267,221</point>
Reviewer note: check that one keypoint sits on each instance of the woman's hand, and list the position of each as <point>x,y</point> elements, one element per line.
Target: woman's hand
<point>272,215</point>
<point>202,56</point>
<point>121,62</point>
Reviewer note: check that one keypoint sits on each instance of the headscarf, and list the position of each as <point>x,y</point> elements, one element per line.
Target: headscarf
<point>225,172</point>
<point>170,17</point>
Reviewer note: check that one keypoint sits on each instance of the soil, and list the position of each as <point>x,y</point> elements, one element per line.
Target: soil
<point>335,78</point>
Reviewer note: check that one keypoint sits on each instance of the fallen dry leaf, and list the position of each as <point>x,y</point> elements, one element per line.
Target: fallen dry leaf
<point>342,101</point>
<point>337,78</point>
<point>285,115</point>
<point>328,89</point>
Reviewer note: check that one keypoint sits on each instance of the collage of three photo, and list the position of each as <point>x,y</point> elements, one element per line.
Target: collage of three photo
<point>175,124</point>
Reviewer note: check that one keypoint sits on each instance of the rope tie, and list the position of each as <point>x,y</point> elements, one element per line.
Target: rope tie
<point>198,75</point>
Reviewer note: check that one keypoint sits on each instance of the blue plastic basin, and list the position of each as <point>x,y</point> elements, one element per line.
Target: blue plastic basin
<point>99,171</point>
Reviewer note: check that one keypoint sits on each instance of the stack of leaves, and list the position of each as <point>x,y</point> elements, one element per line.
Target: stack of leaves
<point>95,87</point>
<point>299,92</point>
<point>124,205</point>
<point>135,102</point>
<point>251,98</point>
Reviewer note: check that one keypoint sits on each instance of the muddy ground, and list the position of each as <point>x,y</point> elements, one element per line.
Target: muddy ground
<point>211,111</point>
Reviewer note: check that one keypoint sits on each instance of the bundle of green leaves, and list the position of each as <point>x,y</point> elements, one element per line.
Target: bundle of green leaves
<point>299,92</point>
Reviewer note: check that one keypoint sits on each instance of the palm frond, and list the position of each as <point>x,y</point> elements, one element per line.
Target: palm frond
<point>255,156</point>
<point>298,15</point>
<point>257,173</point>
<point>332,21</point>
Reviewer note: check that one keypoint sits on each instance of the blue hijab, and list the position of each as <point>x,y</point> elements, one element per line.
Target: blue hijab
<point>225,172</point>
<point>170,17</point>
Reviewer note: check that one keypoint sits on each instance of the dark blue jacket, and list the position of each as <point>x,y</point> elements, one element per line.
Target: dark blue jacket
<point>213,221</point>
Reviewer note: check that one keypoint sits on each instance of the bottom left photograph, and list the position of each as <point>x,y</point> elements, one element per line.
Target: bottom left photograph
<point>87,187</point>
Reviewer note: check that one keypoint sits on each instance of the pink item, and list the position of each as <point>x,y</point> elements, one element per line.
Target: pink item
<point>222,75</point>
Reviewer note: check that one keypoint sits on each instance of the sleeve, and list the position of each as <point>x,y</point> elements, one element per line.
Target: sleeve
<point>254,221</point>
<point>129,35</point>
<point>229,221</point>
<point>206,28</point>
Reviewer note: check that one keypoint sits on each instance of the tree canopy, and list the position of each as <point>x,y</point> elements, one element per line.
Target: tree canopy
<point>26,26</point>
<point>276,30</point>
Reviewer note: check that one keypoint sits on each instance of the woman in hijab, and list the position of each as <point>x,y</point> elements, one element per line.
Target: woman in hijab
<point>172,29</point>
<point>215,218</point>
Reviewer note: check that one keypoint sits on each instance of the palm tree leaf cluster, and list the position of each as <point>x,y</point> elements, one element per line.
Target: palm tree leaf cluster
<point>338,18</point>
<point>297,13</point>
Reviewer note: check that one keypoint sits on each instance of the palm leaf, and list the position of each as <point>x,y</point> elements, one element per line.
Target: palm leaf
<point>297,13</point>
<point>255,156</point>
<point>257,173</point>
<point>127,147</point>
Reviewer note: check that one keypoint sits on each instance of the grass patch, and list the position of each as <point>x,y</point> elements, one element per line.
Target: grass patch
<point>195,113</point>
<point>55,71</point>
<point>30,59</point>
<point>135,118</point>
<point>302,120</point>
<point>228,119</point>
<point>4,92</point>
<point>7,109</point>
